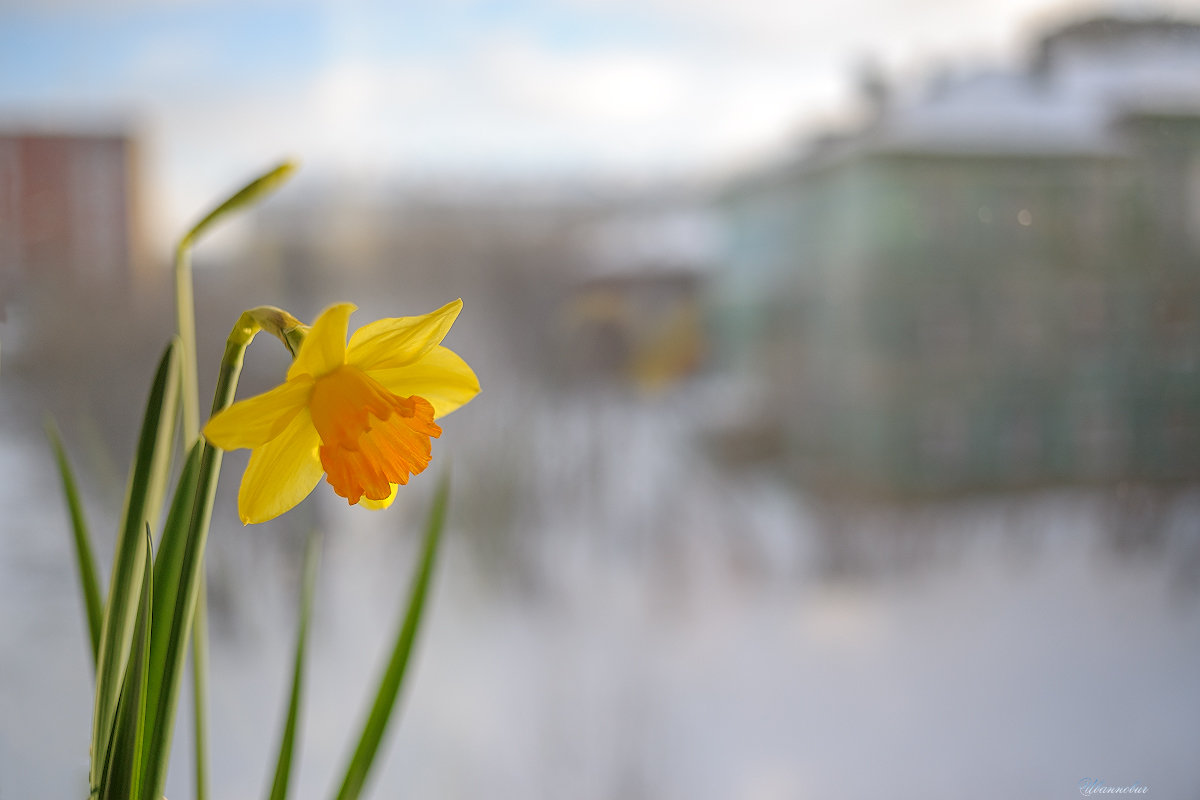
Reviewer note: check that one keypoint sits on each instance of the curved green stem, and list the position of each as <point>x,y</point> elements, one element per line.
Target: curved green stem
<point>185,310</point>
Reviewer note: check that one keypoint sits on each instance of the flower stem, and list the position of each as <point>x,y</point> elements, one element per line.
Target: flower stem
<point>185,310</point>
<point>186,615</point>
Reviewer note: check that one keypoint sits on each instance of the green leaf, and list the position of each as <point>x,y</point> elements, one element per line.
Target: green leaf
<point>200,688</point>
<point>120,614</point>
<point>122,775</point>
<point>185,310</point>
<point>168,567</point>
<point>393,677</point>
<point>185,307</point>
<point>191,570</point>
<point>249,194</point>
<point>287,743</point>
<point>85,559</point>
<point>163,459</point>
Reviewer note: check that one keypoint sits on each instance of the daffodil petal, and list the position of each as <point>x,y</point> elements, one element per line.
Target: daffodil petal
<point>441,377</point>
<point>399,341</point>
<point>282,472</point>
<point>379,505</point>
<point>324,348</point>
<point>258,419</point>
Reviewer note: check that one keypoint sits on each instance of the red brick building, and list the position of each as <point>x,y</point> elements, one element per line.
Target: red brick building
<point>66,211</point>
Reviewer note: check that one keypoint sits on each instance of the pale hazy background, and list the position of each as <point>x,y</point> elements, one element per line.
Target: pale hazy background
<point>511,89</point>
<point>840,424</point>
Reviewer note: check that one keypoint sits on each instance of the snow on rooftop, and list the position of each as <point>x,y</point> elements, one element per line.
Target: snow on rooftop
<point>1087,77</point>
<point>1139,68</point>
<point>991,111</point>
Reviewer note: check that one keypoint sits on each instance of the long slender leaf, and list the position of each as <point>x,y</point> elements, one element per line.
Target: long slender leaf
<point>120,614</point>
<point>163,458</point>
<point>393,677</point>
<point>169,562</point>
<point>123,774</point>
<point>185,306</point>
<point>200,686</point>
<point>251,193</point>
<point>85,559</point>
<point>167,568</point>
<point>183,613</point>
<point>287,739</point>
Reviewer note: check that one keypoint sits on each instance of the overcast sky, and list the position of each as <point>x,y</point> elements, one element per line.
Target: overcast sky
<point>476,87</point>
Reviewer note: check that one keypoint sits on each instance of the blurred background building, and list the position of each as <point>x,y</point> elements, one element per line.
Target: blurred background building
<point>68,210</point>
<point>76,282</point>
<point>993,282</point>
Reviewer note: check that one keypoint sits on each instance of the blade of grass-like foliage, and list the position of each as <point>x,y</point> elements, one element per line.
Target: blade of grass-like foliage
<point>393,677</point>
<point>85,559</point>
<point>120,613</point>
<point>163,459</point>
<point>287,742</point>
<point>200,686</point>
<point>190,574</point>
<point>167,567</point>
<point>249,194</point>
<point>123,773</point>
<point>185,308</point>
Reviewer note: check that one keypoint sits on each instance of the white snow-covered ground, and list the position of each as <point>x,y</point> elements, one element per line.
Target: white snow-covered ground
<point>647,625</point>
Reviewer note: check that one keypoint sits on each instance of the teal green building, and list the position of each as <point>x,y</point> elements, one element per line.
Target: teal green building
<point>994,283</point>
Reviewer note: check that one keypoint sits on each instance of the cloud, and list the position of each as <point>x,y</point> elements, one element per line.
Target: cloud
<point>511,105</point>
<point>611,86</point>
<point>893,30</point>
<point>718,81</point>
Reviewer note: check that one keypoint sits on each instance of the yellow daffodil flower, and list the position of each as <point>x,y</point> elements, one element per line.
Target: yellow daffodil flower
<point>360,413</point>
